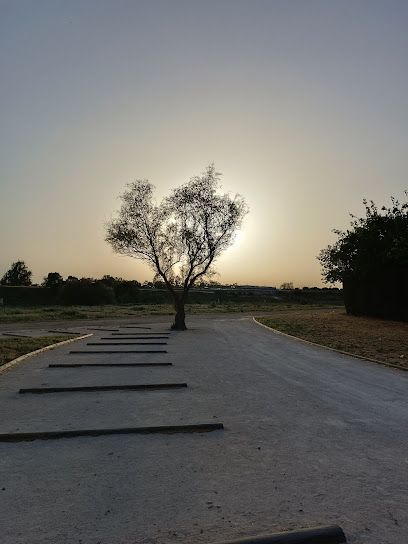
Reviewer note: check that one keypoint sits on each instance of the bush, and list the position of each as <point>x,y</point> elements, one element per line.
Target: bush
<point>371,259</point>
<point>384,294</point>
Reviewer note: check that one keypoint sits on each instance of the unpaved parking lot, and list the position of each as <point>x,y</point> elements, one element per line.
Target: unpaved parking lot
<point>310,437</point>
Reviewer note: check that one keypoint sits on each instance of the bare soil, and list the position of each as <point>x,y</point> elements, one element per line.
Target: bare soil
<point>383,340</point>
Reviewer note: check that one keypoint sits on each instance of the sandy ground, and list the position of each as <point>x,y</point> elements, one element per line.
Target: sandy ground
<point>311,437</point>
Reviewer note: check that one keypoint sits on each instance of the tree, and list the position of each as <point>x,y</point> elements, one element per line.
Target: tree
<point>379,239</point>
<point>53,279</point>
<point>18,274</point>
<point>371,260</point>
<point>110,280</point>
<point>288,285</point>
<point>180,238</point>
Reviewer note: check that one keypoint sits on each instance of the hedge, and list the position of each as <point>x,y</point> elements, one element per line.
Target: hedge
<point>382,293</point>
<point>98,293</point>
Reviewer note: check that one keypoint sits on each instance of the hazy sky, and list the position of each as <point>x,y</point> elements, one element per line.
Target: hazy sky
<point>303,105</point>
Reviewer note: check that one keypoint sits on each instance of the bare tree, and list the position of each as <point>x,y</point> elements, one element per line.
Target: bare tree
<point>181,237</point>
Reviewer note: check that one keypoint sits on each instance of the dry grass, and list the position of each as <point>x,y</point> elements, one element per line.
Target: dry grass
<point>11,348</point>
<point>386,341</point>
<point>14,314</point>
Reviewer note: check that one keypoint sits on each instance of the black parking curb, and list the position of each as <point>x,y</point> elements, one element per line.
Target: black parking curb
<point>120,338</point>
<point>96,388</point>
<point>64,332</point>
<point>135,327</point>
<point>110,365</point>
<point>87,352</point>
<point>163,429</point>
<point>117,343</point>
<point>103,330</point>
<point>150,334</point>
<point>14,334</point>
<point>332,534</point>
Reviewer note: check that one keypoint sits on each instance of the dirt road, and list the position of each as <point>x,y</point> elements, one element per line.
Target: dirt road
<point>310,437</point>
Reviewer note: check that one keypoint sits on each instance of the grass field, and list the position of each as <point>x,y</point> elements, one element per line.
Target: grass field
<point>385,341</point>
<point>10,314</point>
<point>11,348</point>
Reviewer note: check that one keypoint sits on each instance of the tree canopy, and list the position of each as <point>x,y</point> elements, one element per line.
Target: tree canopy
<point>53,279</point>
<point>375,242</point>
<point>181,237</point>
<point>18,274</point>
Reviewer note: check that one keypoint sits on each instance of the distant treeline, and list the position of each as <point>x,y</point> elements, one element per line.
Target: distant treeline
<point>108,290</point>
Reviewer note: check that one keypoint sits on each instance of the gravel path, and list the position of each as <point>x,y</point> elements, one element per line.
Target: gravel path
<point>311,437</point>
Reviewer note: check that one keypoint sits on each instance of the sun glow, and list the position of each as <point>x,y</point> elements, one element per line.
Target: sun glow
<point>238,239</point>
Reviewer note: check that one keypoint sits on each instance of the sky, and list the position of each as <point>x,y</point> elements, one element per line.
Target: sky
<point>301,104</point>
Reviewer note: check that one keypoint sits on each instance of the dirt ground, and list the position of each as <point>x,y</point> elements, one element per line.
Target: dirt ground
<point>379,339</point>
<point>310,437</point>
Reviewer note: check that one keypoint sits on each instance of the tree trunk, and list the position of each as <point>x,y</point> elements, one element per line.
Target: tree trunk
<point>179,323</point>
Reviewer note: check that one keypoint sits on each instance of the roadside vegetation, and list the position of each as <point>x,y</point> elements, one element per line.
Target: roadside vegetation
<point>10,314</point>
<point>11,348</point>
<point>379,339</point>
<point>370,259</point>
